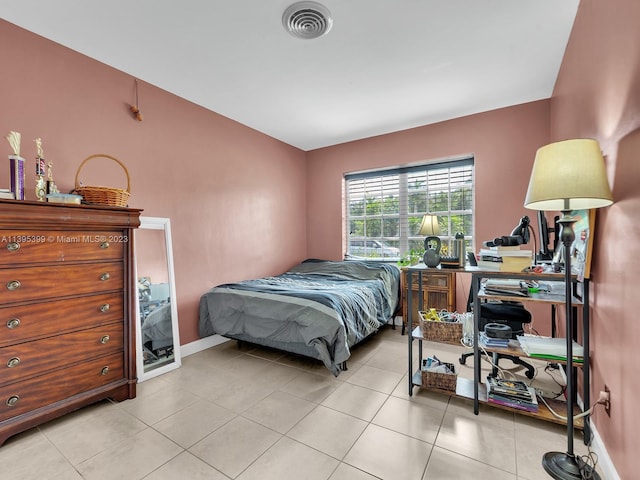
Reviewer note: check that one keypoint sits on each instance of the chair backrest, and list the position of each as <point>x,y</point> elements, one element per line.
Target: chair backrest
<point>510,313</point>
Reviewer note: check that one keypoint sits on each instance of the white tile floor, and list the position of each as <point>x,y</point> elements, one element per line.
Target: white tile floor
<point>252,413</point>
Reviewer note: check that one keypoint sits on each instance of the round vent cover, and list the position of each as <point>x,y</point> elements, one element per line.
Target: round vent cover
<point>307,20</point>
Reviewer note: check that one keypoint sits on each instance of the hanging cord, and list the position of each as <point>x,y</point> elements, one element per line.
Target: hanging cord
<point>135,109</point>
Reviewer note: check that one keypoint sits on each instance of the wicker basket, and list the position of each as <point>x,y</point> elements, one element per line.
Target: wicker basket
<point>441,381</point>
<point>440,331</point>
<point>113,197</point>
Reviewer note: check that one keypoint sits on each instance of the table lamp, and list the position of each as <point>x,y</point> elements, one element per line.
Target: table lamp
<point>568,175</point>
<point>431,228</point>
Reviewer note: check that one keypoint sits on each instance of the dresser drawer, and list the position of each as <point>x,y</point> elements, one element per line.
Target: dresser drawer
<point>431,280</point>
<point>31,358</point>
<point>33,246</point>
<point>26,322</point>
<point>38,283</point>
<point>43,390</point>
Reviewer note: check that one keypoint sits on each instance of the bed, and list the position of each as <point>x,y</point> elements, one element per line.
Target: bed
<point>318,308</point>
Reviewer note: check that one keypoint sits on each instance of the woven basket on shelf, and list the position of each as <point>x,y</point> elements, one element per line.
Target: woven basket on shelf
<point>114,197</point>
<point>442,381</point>
<point>440,331</point>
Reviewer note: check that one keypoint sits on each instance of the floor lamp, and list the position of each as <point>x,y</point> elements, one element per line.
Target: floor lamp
<point>568,175</point>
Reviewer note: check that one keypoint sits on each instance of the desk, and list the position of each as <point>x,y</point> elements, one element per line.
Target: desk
<point>476,389</point>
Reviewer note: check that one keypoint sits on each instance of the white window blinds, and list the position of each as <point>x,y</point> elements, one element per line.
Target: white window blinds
<point>385,208</point>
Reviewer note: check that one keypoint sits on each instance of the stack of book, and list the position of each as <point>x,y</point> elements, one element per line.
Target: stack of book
<point>504,259</point>
<point>506,286</point>
<point>511,393</point>
<point>491,342</point>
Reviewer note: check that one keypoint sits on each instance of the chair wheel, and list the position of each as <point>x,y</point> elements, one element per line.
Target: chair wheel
<point>462,360</point>
<point>529,374</point>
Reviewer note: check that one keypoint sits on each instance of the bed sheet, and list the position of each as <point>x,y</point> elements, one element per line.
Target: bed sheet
<point>327,305</point>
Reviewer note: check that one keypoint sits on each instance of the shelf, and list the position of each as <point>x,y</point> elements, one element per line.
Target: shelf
<point>475,390</point>
<point>417,334</point>
<point>550,298</point>
<point>518,352</point>
<point>464,389</point>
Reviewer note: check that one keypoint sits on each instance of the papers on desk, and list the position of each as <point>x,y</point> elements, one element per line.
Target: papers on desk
<point>505,292</point>
<point>509,283</point>
<point>549,348</point>
<point>509,287</point>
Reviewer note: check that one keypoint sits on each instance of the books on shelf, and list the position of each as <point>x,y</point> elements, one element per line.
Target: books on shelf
<point>511,393</point>
<point>504,283</point>
<point>504,264</point>
<point>549,348</point>
<point>490,342</point>
<point>503,292</point>
<point>508,388</point>
<point>505,287</point>
<point>504,259</point>
<point>505,252</point>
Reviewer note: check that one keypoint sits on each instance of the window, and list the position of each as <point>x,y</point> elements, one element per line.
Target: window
<point>385,208</point>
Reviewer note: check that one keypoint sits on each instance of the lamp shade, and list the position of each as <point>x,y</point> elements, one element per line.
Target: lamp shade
<point>429,226</point>
<point>568,175</point>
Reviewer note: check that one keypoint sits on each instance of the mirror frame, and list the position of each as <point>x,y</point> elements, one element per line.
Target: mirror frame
<point>164,224</point>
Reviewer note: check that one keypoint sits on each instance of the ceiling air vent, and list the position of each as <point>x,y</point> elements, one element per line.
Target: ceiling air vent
<point>307,20</point>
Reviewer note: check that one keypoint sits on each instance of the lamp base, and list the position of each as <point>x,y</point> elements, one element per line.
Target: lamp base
<point>563,466</point>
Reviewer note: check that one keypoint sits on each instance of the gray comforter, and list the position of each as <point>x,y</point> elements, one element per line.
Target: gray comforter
<point>324,305</point>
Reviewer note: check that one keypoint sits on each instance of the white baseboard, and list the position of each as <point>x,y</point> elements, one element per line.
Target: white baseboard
<point>605,464</point>
<point>202,344</point>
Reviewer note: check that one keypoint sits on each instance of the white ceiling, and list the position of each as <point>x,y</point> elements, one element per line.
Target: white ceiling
<point>386,65</point>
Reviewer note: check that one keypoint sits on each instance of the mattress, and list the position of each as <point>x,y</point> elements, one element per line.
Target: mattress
<point>324,306</point>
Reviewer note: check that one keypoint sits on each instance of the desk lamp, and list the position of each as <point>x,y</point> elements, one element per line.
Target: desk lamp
<point>568,175</point>
<point>431,228</point>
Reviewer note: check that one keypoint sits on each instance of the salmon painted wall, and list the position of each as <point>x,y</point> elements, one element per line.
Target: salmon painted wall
<point>236,198</point>
<point>503,143</point>
<point>597,95</point>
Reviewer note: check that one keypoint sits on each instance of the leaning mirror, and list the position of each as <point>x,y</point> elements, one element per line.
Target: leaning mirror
<point>158,341</point>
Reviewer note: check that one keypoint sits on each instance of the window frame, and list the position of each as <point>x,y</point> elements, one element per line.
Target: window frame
<point>461,182</point>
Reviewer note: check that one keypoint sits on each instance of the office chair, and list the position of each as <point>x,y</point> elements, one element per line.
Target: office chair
<point>512,314</point>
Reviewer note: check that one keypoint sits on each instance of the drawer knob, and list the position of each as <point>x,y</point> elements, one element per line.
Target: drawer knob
<point>105,339</point>
<point>105,307</point>
<point>13,285</point>
<point>13,323</point>
<point>104,245</point>
<point>13,246</point>
<point>13,362</point>
<point>105,276</point>
<point>12,400</point>
<point>104,371</point>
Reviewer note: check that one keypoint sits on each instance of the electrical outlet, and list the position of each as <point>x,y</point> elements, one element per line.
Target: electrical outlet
<point>607,405</point>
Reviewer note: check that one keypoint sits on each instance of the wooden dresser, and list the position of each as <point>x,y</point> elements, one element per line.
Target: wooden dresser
<point>67,310</point>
